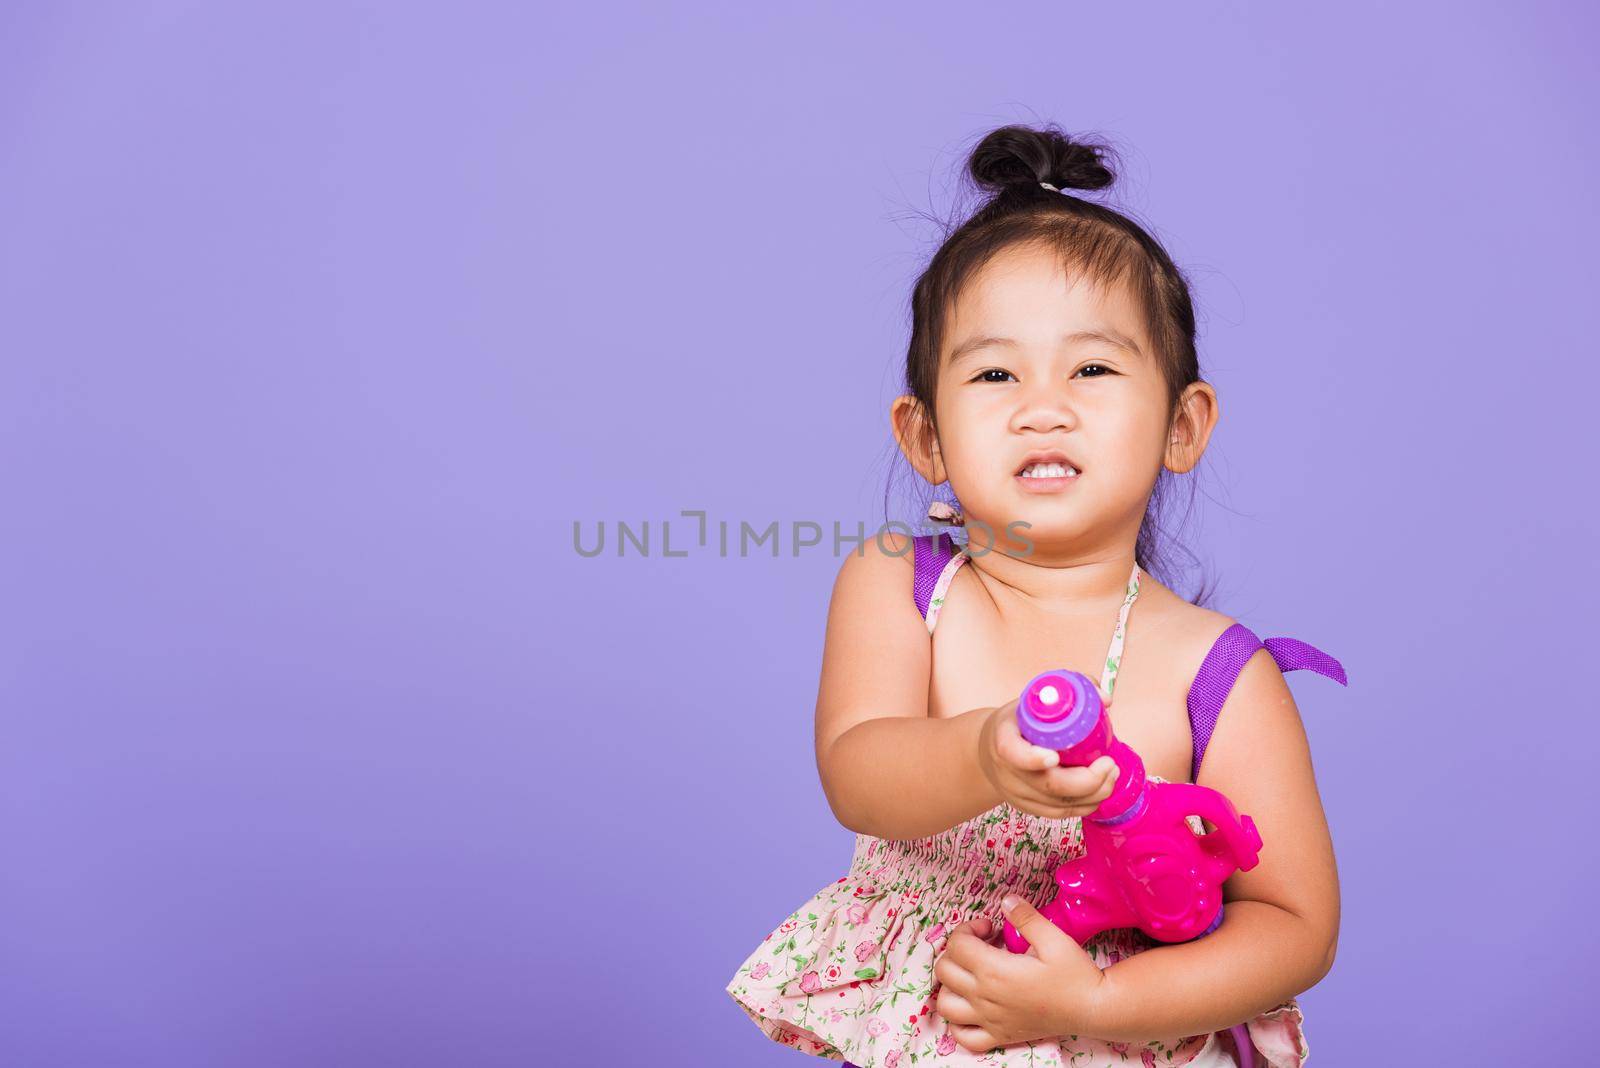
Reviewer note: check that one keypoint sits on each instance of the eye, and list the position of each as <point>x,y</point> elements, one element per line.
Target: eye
<point>981,376</point>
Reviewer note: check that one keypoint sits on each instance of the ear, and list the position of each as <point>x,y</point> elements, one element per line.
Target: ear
<point>1196,416</point>
<point>913,432</point>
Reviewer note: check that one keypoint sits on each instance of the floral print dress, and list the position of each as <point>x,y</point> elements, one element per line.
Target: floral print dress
<point>848,975</point>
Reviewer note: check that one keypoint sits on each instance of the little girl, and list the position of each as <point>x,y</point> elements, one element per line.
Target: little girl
<point>1053,380</point>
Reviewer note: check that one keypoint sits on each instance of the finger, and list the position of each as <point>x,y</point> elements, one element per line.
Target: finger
<point>1081,782</point>
<point>953,977</point>
<point>1057,811</point>
<point>978,927</point>
<point>1023,754</point>
<point>974,1039</point>
<point>955,1008</point>
<point>1109,784</point>
<point>1018,751</point>
<point>1042,935</point>
<point>956,947</point>
<point>1054,806</point>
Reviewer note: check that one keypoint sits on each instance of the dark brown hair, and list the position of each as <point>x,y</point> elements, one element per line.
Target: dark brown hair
<point>1091,240</point>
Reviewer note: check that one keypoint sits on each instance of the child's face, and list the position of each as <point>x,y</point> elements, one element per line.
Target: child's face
<point>1102,404</point>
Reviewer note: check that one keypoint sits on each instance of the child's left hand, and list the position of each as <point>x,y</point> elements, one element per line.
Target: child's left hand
<point>993,997</point>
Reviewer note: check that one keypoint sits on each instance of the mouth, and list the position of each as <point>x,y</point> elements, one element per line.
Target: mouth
<point>1052,463</point>
<point>1047,471</point>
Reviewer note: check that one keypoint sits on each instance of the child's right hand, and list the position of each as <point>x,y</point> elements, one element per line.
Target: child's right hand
<point>1027,775</point>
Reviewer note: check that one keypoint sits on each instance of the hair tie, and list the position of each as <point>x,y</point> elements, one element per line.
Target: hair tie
<point>1050,187</point>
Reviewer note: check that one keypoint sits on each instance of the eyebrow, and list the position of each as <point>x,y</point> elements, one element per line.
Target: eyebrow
<point>1099,333</point>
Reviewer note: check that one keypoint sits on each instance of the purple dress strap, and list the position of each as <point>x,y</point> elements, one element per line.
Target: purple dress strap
<point>929,555</point>
<point>1221,668</point>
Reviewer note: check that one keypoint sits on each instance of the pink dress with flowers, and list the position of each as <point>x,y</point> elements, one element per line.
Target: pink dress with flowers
<point>849,974</point>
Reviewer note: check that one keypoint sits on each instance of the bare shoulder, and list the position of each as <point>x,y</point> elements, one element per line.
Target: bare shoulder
<point>882,562</point>
<point>1185,630</point>
<point>1200,628</point>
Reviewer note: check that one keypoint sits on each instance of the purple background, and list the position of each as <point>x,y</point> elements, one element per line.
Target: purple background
<point>322,323</point>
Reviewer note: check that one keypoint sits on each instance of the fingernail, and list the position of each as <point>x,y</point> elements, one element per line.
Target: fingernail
<point>1008,902</point>
<point>1051,757</point>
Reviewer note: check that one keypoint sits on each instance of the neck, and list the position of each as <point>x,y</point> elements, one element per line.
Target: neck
<point>1087,582</point>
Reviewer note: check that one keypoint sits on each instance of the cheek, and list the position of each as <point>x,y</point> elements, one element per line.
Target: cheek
<point>1141,438</point>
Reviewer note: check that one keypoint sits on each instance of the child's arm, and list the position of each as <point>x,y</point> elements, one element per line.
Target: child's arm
<point>1280,923</point>
<point>888,768</point>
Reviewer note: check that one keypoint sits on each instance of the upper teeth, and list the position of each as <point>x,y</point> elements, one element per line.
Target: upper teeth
<point>1050,470</point>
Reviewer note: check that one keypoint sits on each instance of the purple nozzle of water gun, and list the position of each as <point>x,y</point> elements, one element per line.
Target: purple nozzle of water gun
<point>1064,722</point>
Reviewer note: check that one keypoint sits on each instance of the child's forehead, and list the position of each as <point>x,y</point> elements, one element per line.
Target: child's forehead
<point>1031,296</point>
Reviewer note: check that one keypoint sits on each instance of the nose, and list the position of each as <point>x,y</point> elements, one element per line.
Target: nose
<point>1043,407</point>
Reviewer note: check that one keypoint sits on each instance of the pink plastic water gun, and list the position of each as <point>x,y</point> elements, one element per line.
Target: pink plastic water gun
<point>1144,866</point>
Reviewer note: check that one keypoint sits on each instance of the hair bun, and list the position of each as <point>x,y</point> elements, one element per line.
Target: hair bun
<point>1023,156</point>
